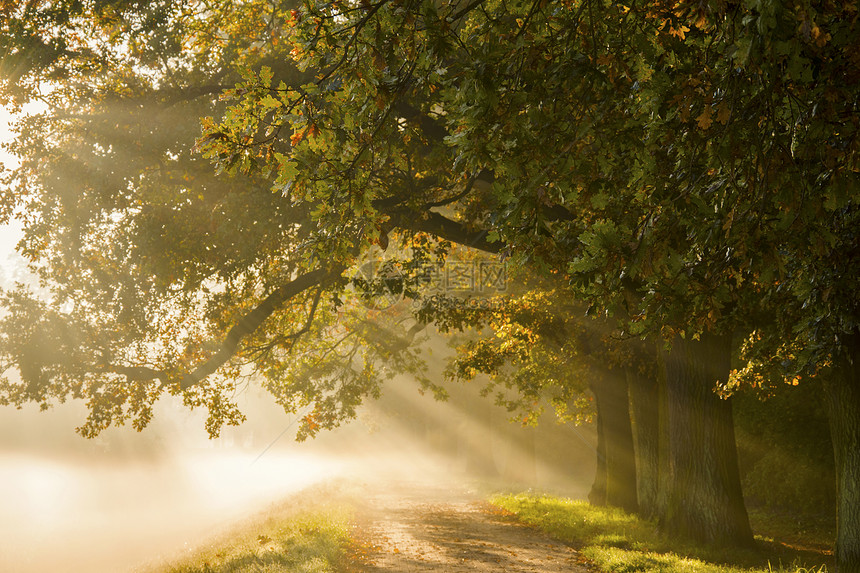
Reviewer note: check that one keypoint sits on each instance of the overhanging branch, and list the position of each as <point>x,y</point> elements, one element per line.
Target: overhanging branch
<point>139,373</point>
<point>252,321</point>
<point>244,327</point>
<point>428,222</point>
<point>445,228</point>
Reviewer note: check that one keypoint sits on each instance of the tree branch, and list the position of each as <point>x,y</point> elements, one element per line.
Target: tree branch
<point>358,27</point>
<point>428,222</point>
<point>138,373</point>
<point>444,228</point>
<point>457,197</point>
<point>294,336</point>
<point>252,321</point>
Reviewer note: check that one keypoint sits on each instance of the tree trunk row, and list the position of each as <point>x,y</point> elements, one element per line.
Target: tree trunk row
<point>683,469</point>
<point>666,445</point>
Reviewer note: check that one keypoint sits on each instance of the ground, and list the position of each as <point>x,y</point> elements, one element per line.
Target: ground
<point>416,528</point>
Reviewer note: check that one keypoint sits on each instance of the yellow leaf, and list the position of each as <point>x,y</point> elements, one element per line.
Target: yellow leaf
<point>816,31</point>
<point>679,32</point>
<point>704,120</point>
<point>723,113</point>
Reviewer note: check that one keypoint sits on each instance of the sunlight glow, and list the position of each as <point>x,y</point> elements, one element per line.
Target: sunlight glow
<point>77,516</point>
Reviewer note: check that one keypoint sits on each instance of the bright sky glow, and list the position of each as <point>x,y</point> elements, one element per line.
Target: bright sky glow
<point>9,234</point>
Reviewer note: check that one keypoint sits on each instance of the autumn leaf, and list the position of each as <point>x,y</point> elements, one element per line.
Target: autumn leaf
<point>704,120</point>
<point>724,112</point>
<point>819,36</point>
<point>679,32</point>
<point>297,137</point>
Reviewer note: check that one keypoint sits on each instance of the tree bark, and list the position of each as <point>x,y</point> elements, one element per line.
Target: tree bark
<point>704,500</point>
<point>597,495</point>
<point>615,481</point>
<point>843,403</point>
<point>645,416</point>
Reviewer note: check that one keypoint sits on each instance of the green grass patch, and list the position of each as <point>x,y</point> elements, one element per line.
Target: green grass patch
<point>300,535</point>
<point>618,542</point>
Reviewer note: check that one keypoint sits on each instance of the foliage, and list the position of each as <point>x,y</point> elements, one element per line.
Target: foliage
<point>530,345</point>
<point>673,162</point>
<point>146,255</point>
<point>613,540</point>
<point>676,167</point>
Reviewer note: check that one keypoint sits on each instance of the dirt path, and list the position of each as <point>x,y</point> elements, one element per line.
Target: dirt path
<point>414,528</point>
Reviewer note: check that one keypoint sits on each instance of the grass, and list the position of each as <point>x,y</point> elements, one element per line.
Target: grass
<point>300,535</point>
<point>810,533</point>
<point>615,541</point>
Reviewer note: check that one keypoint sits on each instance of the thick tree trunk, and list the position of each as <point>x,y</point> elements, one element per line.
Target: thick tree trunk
<point>615,482</point>
<point>645,414</point>
<point>843,401</point>
<point>704,500</point>
<point>597,495</point>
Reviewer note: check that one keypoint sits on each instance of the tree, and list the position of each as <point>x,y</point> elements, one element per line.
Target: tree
<point>674,157</point>
<point>362,136</point>
<point>671,163</point>
<point>540,351</point>
<point>162,275</point>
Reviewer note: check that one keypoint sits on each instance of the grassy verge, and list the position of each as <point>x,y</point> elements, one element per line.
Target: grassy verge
<point>615,541</point>
<point>300,535</point>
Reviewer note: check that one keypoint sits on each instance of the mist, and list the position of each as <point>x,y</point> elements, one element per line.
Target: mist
<point>128,499</point>
<point>124,500</point>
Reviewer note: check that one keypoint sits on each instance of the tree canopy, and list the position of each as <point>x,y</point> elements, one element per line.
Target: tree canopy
<point>686,168</point>
<point>681,167</point>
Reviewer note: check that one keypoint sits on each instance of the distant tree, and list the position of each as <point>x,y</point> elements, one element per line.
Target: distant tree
<point>539,350</point>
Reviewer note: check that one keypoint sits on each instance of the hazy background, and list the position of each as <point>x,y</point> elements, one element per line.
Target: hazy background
<point>128,498</point>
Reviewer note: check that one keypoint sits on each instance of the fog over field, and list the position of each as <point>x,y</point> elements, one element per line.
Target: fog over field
<point>105,505</point>
<point>127,499</point>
